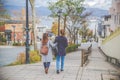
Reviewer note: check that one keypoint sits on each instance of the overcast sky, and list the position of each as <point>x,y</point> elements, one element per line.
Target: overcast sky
<point>105,4</point>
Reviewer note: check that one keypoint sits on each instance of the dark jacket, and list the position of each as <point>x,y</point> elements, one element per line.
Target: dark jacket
<point>62,44</point>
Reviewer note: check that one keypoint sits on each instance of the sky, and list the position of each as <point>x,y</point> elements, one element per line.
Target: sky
<point>103,4</point>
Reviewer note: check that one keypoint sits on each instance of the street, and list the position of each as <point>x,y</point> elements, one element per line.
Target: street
<point>9,54</point>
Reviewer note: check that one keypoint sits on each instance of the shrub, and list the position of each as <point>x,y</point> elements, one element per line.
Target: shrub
<point>71,47</point>
<point>4,40</point>
<point>21,58</point>
<point>16,44</point>
<point>34,57</point>
<point>84,40</point>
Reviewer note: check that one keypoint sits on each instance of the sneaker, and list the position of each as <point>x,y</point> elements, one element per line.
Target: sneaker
<point>62,70</point>
<point>58,72</point>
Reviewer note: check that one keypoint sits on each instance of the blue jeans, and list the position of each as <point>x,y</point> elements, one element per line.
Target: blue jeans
<point>58,58</point>
<point>46,64</point>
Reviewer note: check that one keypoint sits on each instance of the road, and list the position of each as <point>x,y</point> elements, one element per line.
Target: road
<point>9,54</point>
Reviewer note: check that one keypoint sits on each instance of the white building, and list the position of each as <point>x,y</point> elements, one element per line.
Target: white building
<point>106,25</point>
<point>111,22</point>
<point>93,25</point>
<point>115,14</point>
<point>44,25</point>
<point>40,29</point>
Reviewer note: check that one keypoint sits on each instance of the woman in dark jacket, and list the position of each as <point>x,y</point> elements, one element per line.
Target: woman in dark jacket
<point>62,44</point>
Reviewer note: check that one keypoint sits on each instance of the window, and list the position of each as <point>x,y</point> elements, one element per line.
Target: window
<point>114,19</point>
<point>119,19</point>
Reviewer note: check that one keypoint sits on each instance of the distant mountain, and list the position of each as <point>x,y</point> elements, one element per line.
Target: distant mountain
<point>40,11</point>
<point>44,11</point>
<point>97,12</point>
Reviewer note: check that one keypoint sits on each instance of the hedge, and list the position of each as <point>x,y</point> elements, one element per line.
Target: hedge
<point>72,47</point>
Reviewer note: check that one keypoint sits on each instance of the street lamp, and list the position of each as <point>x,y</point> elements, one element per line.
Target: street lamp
<point>59,13</point>
<point>14,32</point>
<point>27,34</point>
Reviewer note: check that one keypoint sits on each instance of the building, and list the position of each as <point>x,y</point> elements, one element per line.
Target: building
<point>106,26</point>
<point>14,31</point>
<point>115,14</point>
<point>40,31</point>
<point>94,26</point>
<point>111,22</point>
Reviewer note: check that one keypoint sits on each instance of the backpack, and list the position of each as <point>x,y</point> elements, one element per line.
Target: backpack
<point>44,49</point>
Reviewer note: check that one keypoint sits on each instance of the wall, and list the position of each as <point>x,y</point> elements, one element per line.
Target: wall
<point>112,47</point>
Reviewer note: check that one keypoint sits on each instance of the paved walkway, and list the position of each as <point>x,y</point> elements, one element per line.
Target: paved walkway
<point>97,69</point>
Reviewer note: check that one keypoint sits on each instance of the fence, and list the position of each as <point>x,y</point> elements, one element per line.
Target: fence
<point>84,55</point>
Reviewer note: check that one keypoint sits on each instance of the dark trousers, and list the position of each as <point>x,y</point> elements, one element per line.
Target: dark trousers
<point>46,64</point>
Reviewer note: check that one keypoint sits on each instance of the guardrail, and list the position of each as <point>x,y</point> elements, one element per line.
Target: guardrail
<point>84,55</point>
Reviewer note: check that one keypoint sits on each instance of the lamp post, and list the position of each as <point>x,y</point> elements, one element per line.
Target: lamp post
<point>27,34</point>
<point>59,13</point>
<point>14,32</point>
<point>77,30</point>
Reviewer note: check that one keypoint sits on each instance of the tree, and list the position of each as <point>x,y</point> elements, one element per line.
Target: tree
<point>85,32</point>
<point>55,28</point>
<point>71,15</point>
<point>32,3</point>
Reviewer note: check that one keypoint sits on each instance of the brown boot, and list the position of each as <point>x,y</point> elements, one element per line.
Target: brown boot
<point>46,70</point>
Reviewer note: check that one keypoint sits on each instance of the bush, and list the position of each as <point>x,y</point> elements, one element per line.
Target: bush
<point>71,47</point>
<point>84,40</point>
<point>34,57</point>
<point>21,58</point>
<point>16,44</point>
<point>2,39</point>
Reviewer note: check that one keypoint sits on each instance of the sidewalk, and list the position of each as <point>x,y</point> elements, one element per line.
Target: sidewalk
<point>97,69</point>
<point>36,71</point>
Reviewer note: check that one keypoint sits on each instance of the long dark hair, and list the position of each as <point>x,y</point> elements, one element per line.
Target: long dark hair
<point>45,38</point>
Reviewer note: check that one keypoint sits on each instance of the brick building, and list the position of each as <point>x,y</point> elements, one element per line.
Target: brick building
<point>14,31</point>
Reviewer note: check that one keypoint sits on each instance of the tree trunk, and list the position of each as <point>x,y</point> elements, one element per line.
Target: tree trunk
<point>33,23</point>
<point>65,22</point>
